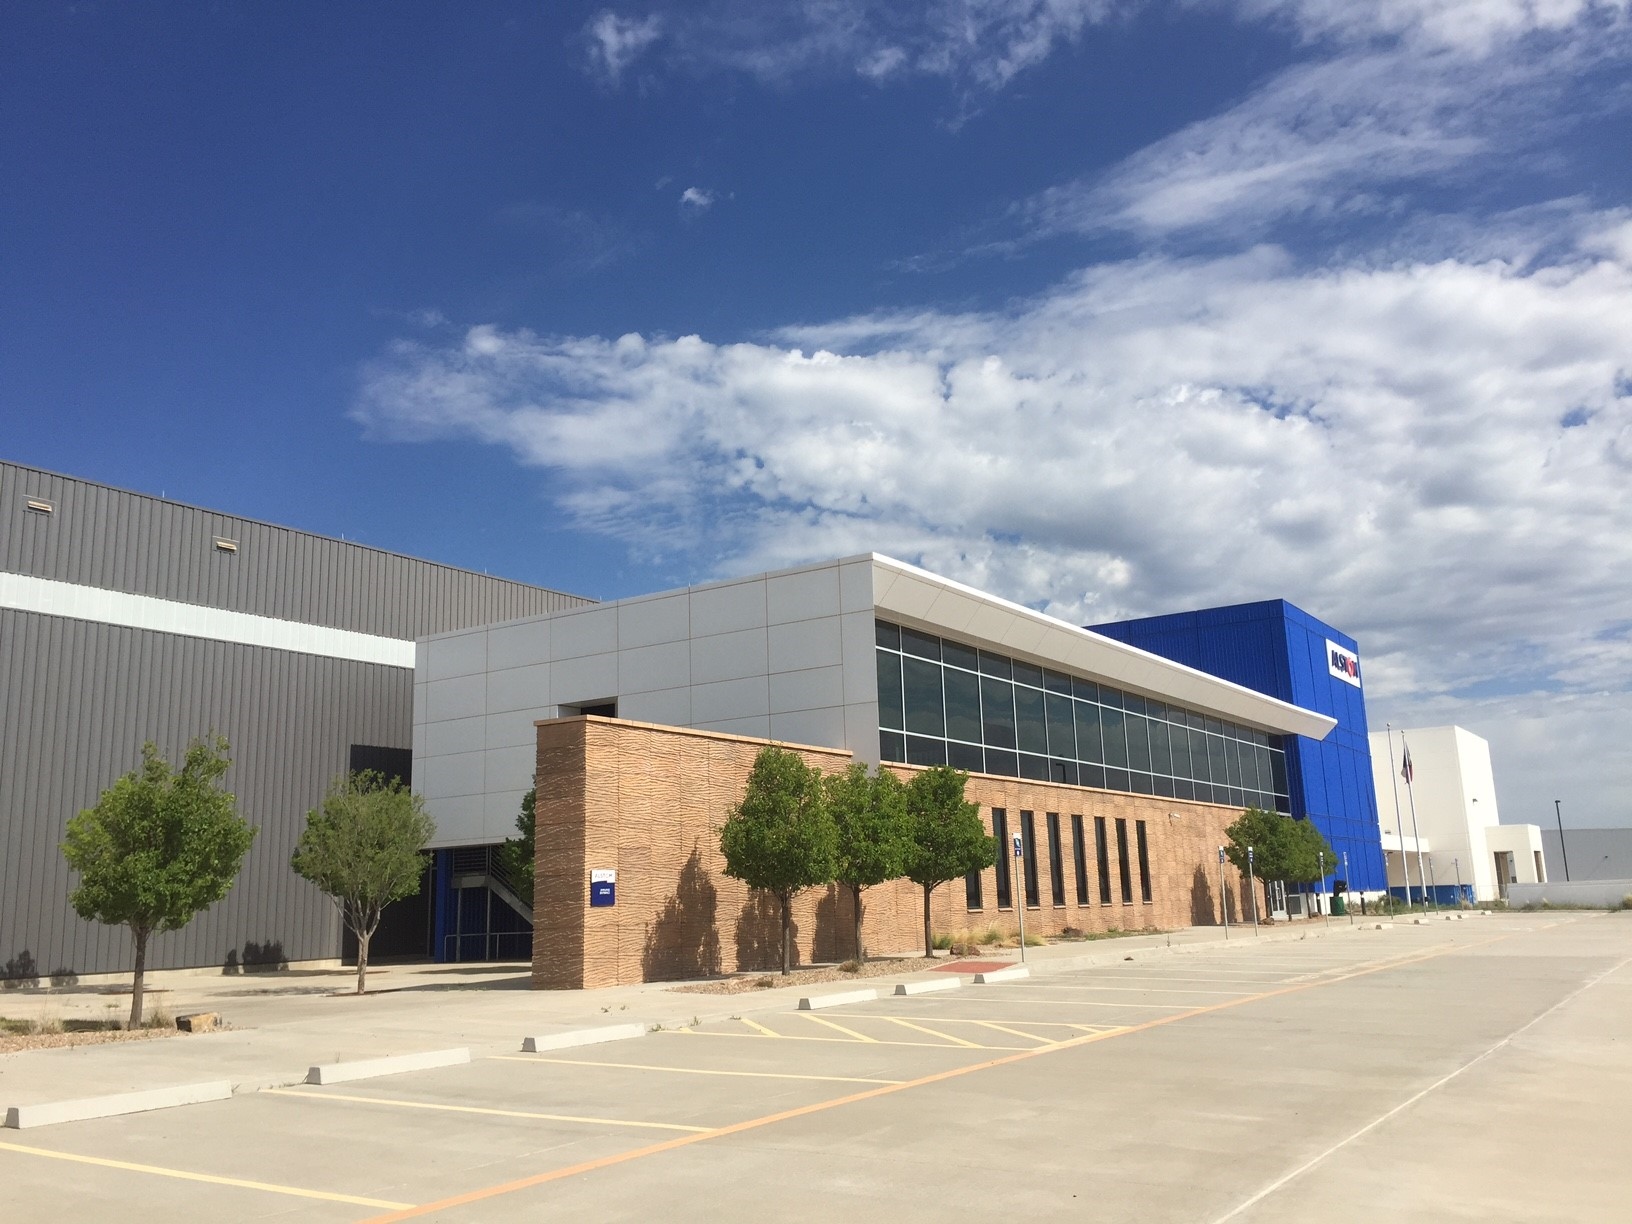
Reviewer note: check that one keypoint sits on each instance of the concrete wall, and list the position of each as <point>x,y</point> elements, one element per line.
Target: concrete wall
<point>1593,854</point>
<point>1607,893</point>
<point>647,801</point>
<point>785,656</point>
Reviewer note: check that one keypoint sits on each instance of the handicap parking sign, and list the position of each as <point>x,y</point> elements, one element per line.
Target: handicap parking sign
<point>603,887</point>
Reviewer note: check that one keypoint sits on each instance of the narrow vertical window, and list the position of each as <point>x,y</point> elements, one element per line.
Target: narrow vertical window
<point>971,890</point>
<point>1056,865</point>
<point>1102,852</point>
<point>1079,856</point>
<point>1000,830</point>
<point>1144,861</point>
<point>1028,832</point>
<point>1123,872</point>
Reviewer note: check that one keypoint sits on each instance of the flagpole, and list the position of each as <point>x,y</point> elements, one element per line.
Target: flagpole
<point>1411,794</point>
<point>1399,824</point>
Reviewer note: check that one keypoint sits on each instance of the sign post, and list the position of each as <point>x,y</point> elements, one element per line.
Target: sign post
<point>1223,894</point>
<point>1252,890</point>
<point>1020,889</point>
<point>1348,904</point>
<point>1324,901</point>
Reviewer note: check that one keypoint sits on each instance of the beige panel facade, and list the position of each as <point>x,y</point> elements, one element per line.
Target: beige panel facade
<point>647,801</point>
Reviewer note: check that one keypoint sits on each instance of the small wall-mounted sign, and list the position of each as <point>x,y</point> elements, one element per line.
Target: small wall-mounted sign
<point>603,886</point>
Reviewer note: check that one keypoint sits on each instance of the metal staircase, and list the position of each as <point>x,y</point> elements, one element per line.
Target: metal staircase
<point>480,867</point>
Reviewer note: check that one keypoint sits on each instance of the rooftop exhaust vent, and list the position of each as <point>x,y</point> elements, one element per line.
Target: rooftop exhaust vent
<point>222,544</point>
<point>40,506</point>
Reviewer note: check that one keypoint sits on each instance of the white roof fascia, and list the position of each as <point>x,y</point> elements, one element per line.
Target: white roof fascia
<point>922,600</point>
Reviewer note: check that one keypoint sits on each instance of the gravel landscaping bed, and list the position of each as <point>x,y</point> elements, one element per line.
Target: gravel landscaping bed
<point>12,1043</point>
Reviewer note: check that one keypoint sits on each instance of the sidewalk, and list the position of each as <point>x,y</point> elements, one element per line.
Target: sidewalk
<point>283,1023</point>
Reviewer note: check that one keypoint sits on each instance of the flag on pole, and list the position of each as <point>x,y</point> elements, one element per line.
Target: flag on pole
<point>1406,771</point>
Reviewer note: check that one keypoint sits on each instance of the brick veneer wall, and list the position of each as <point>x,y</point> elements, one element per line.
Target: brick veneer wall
<point>649,800</point>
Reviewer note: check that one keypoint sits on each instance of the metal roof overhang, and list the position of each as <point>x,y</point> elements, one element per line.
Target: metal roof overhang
<point>922,600</point>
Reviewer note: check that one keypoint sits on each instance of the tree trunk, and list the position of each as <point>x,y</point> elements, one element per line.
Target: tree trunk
<point>787,932</point>
<point>929,940</point>
<point>855,898</point>
<point>362,960</point>
<point>136,981</point>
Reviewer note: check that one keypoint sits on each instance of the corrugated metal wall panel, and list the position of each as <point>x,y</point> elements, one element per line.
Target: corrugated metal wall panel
<point>76,701</point>
<point>112,539</point>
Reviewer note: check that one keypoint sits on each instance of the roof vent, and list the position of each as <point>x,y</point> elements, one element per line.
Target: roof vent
<point>222,544</point>
<point>40,506</point>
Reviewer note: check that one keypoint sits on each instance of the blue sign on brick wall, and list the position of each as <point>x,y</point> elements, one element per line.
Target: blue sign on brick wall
<point>603,887</point>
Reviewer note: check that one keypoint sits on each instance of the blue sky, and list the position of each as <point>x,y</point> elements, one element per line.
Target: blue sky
<point>1110,307</point>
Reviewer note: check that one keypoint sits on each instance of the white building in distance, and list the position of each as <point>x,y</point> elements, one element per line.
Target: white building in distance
<point>1447,811</point>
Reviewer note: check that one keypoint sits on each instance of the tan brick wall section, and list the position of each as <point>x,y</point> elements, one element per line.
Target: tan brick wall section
<point>649,802</point>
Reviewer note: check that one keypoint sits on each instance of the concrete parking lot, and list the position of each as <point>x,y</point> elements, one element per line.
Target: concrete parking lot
<point>1475,1069</point>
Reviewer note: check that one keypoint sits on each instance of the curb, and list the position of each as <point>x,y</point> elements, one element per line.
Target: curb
<point>21,1117</point>
<point>367,1068</point>
<point>581,1037</point>
<point>931,987</point>
<point>1011,974</point>
<point>817,1002</point>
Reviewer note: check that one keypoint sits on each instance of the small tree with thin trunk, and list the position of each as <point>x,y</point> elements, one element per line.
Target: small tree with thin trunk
<point>948,838</point>
<point>1282,848</point>
<point>516,853</point>
<point>781,837</point>
<point>160,846</point>
<point>363,848</point>
<point>874,833</point>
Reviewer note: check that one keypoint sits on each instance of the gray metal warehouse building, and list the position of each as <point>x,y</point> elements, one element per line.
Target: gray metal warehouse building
<point>125,618</point>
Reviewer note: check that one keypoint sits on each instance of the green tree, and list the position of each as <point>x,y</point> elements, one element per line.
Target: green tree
<point>1305,846</point>
<point>160,846</point>
<point>363,848</point>
<point>948,837</point>
<point>1283,848</point>
<point>781,837</point>
<point>516,854</point>
<point>874,833</point>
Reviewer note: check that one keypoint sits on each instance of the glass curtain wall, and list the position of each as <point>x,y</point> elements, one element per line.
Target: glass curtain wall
<point>943,703</point>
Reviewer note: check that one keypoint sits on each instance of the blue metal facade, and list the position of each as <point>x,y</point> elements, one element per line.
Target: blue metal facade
<point>1280,650</point>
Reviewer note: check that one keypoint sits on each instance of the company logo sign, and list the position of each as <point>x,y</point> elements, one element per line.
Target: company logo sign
<point>1344,664</point>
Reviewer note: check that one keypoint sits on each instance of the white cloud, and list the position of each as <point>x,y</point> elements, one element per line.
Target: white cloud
<point>1462,26</point>
<point>1384,444</point>
<point>616,42</point>
<point>1362,131</point>
<point>698,199</point>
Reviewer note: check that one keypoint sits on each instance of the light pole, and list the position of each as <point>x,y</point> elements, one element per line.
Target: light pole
<point>1457,863</point>
<point>1252,890</point>
<point>1326,905</point>
<point>1348,887</point>
<point>1558,813</point>
<point>1223,893</point>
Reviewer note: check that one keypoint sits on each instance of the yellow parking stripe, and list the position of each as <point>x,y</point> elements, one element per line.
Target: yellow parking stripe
<point>921,1045</point>
<point>443,1206</point>
<point>1013,1032</point>
<point>758,1027</point>
<point>584,1062</point>
<point>932,1032</point>
<point>475,1109</point>
<point>184,1175</point>
<point>839,1027</point>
